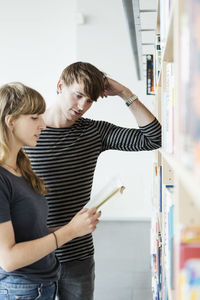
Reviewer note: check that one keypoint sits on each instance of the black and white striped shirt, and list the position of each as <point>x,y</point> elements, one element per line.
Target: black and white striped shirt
<point>66,159</point>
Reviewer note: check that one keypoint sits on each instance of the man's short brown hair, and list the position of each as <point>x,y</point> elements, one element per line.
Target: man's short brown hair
<point>86,74</point>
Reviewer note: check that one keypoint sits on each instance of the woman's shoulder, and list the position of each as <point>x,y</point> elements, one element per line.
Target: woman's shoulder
<point>6,183</point>
<point>6,178</point>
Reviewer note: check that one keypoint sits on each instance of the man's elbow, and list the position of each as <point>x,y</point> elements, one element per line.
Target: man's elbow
<point>158,144</point>
<point>157,140</point>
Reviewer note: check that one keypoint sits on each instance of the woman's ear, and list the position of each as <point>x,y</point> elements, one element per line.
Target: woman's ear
<point>9,121</point>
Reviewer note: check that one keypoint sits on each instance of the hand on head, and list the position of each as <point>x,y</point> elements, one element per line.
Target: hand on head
<point>113,88</point>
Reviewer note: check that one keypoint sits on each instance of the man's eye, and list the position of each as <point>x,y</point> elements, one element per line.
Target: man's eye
<point>78,96</point>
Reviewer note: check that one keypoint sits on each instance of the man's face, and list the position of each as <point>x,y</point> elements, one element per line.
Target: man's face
<point>73,101</point>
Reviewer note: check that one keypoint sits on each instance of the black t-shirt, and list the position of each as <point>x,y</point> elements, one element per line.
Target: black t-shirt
<point>28,211</point>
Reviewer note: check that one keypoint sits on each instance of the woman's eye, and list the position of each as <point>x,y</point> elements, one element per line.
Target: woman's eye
<point>78,96</point>
<point>34,118</point>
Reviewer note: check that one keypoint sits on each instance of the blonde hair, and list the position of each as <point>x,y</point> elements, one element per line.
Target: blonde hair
<point>87,74</point>
<point>17,99</point>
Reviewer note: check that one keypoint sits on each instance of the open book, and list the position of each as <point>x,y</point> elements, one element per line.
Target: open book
<point>113,188</point>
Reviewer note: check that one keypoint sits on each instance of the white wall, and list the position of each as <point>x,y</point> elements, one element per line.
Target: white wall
<point>103,40</point>
<point>37,41</point>
<point>40,38</point>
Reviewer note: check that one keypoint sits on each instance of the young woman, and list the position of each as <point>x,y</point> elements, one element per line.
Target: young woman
<point>28,266</point>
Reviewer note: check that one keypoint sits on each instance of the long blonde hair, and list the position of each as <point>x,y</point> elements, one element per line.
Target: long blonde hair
<point>17,99</point>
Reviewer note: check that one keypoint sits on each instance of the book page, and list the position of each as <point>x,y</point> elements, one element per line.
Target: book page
<point>113,188</point>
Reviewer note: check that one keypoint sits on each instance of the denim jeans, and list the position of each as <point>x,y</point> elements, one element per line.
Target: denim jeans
<point>77,280</point>
<point>13,287</point>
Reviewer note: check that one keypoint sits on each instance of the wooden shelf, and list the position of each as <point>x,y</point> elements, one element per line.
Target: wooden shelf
<point>168,52</point>
<point>185,176</point>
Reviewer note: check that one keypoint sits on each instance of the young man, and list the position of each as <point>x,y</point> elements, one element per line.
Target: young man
<point>66,157</point>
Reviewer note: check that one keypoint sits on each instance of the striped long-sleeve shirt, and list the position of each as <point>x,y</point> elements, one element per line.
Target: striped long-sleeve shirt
<point>66,159</point>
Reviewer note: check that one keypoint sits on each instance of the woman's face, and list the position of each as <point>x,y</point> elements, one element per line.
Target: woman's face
<point>27,128</point>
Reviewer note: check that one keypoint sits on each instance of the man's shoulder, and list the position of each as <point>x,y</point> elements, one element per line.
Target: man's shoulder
<point>91,122</point>
<point>86,122</point>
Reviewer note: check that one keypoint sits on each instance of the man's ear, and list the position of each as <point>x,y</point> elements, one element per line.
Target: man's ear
<point>59,86</point>
<point>9,121</point>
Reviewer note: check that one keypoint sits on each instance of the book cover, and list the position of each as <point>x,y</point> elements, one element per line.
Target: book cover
<point>149,75</point>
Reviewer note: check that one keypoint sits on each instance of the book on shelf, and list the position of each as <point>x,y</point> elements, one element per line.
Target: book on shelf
<point>188,251</point>
<point>165,9</point>
<point>190,244</point>
<point>163,25</point>
<point>168,239</point>
<point>190,87</point>
<point>163,239</point>
<point>157,63</point>
<point>189,286</point>
<point>189,281</point>
<point>156,242</point>
<point>190,234</point>
<point>160,187</point>
<point>168,109</point>
<point>157,187</point>
<point>149,74</point>
<point>162,232</point>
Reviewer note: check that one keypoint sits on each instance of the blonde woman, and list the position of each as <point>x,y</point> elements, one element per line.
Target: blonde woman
<point>28,266</point>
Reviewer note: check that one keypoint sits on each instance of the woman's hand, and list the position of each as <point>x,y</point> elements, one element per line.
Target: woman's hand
<point>84,222</point>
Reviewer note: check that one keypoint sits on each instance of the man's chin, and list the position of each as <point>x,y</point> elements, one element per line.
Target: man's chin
<point>75,116</point>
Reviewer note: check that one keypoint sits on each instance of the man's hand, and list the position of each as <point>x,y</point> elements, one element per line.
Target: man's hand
<point>114,88</point>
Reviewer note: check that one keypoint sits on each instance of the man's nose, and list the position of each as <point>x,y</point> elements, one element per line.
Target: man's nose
<point>81,104</point>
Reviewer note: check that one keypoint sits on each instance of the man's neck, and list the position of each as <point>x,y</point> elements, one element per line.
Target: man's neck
<point>53,117</point>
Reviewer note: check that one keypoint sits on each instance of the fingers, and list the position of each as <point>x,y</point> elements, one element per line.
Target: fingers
<point>92,226</point>
<point>92,211</point>
<point>91,217</point>
<point>93,220</point>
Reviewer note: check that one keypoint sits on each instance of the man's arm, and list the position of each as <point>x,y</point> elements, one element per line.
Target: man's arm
<point>142,114</point>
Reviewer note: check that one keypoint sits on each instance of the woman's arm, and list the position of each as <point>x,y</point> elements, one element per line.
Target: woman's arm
<point>52,229</point>
<point>17,255</point>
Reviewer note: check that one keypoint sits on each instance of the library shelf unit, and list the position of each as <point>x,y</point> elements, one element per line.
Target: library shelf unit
<point>176,173</point>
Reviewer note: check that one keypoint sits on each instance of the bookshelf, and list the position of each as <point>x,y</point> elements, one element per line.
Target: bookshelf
<point>176,170</point>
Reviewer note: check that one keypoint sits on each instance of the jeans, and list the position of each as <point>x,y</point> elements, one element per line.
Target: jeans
<point>13,287</point>
<point>77,280</point>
